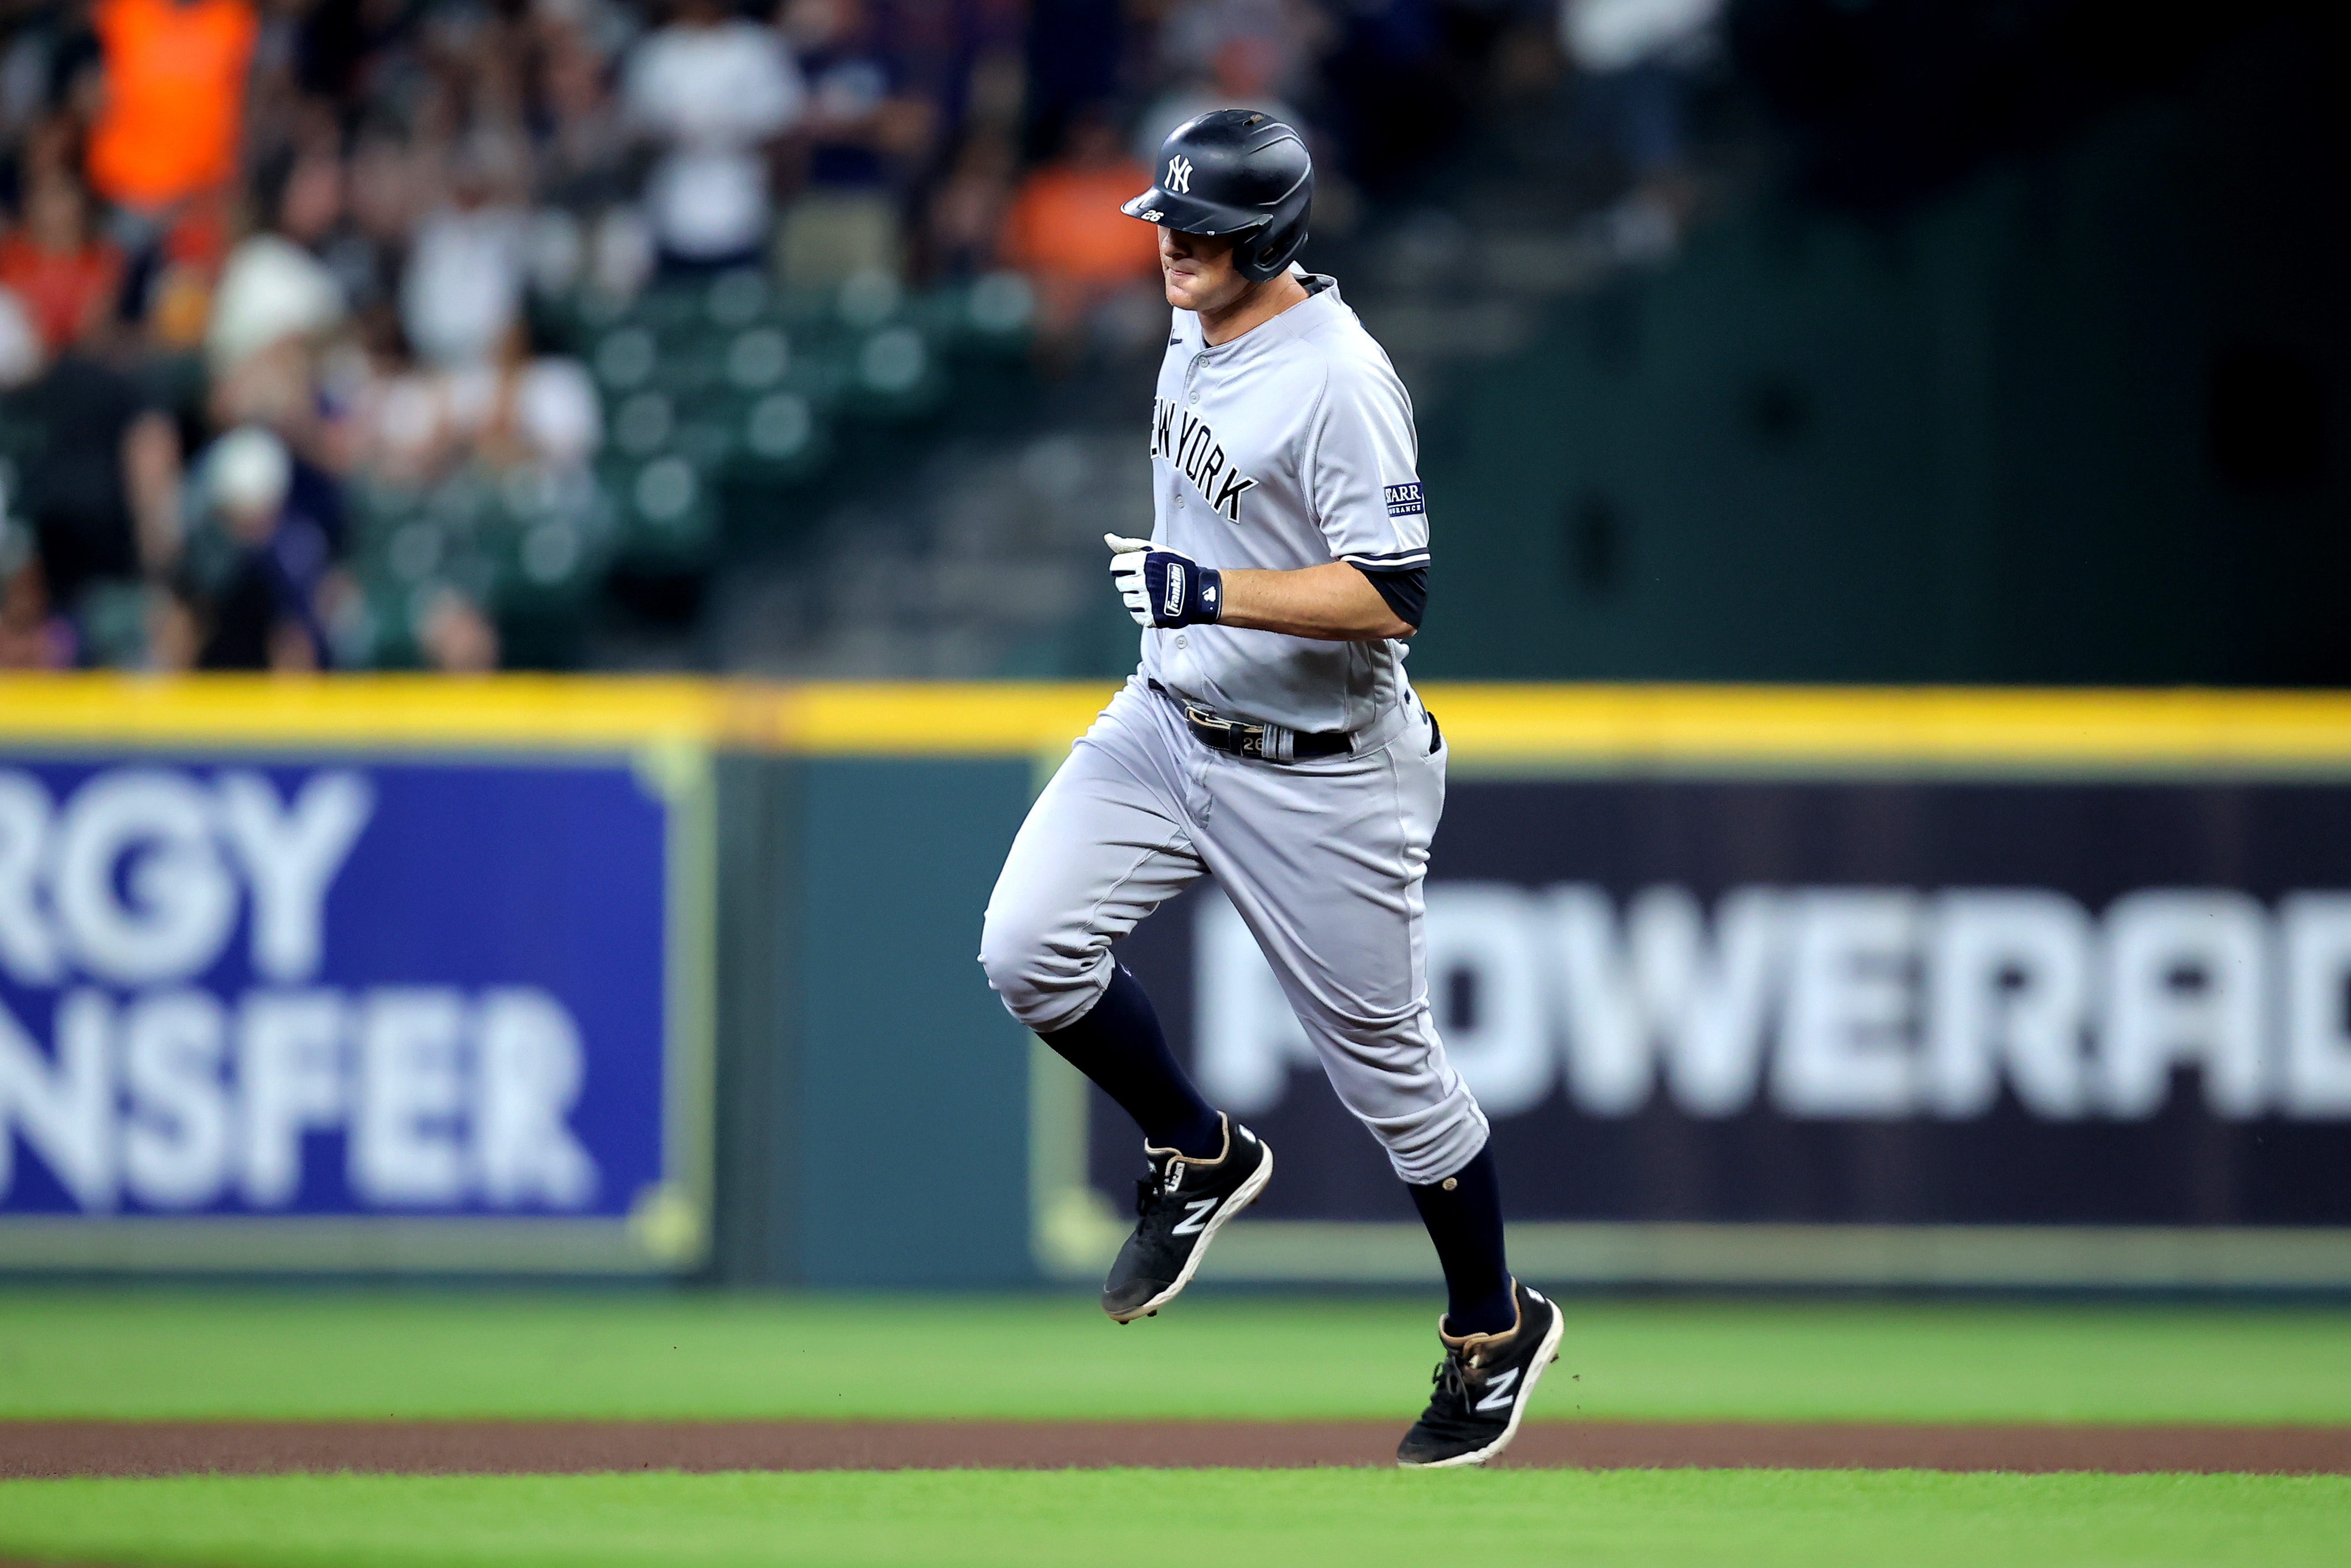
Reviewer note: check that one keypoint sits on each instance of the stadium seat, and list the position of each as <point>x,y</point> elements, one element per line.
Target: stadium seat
<point>780,437</point>
<point>112,620</point>
<point>738,298</point>
<point>624,358</point>
<point>669,521</point>
<point>896,373</point>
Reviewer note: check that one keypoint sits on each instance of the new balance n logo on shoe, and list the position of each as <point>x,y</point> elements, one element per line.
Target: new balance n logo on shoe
<point>1195,1216</point>
<point>1477,1396</point>
<point>1177,1207</point>
<point>1497,1396</point>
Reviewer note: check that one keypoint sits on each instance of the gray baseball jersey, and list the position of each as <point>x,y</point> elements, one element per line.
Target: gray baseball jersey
<point>1290,446</point>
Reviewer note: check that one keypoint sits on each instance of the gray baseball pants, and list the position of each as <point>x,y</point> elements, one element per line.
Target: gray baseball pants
<point>1323,858</point>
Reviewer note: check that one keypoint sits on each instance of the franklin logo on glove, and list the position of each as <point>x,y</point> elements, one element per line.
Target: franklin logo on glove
<point>1164,586</point>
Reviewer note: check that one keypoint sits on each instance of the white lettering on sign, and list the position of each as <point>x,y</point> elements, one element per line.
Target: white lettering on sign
<point>290,855</point>
<point>174,1097</point>
<point>1663,992</point>
<point>1844,1036</point>
<point>175,1128</point>
<point>404,1147</point>
<point>2316,939</point>
<point>29,949</point>
<point>63,1109</point>
<point>530,1064</point>
<point>141,889</point>
<point>1844,1003</point>
<point>2184,986</point>
<point>136,880</point>
<point>443,1099</point>
<point>290,1068</point>
<point>2009,978</point>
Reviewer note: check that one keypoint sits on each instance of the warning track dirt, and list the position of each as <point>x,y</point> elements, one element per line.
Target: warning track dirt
<point>57,1448</point>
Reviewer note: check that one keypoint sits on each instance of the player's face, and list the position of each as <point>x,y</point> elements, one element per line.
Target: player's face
<point>1199,272</point>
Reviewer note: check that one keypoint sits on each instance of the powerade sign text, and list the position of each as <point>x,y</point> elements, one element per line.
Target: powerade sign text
<point>1876,1003</point>
<point>1949,1002</point>
<point>396,989</point>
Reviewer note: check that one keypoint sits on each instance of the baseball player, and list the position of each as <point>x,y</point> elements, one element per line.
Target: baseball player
<point>1271,740</point>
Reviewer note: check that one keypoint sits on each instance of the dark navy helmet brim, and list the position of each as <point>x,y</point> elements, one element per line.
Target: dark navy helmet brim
<point>1189,215</point>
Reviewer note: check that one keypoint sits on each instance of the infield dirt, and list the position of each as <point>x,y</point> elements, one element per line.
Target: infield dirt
<point>58,1448</point>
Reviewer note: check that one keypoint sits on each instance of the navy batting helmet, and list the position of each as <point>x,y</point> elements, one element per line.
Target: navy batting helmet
<point>1234,172</point>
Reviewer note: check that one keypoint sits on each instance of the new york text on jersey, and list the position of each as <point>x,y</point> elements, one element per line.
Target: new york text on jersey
<point>1195,451</point>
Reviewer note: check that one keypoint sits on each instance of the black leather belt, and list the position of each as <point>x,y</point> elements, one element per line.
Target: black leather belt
<point>1265,742</point>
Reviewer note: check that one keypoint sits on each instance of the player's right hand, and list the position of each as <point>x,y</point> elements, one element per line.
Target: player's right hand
<point>1163,586</point>
<point>1126,558</point>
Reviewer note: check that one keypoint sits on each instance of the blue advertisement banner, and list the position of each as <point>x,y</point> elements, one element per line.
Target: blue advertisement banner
<point>353,992</point>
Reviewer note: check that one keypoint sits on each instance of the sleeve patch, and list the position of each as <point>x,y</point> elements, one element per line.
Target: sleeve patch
<point>1404,500</point>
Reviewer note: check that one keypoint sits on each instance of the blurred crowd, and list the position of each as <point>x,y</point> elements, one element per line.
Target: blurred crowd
<point>261,260</point>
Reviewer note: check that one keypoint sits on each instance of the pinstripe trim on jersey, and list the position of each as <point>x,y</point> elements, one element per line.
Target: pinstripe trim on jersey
<point>1387,560</point>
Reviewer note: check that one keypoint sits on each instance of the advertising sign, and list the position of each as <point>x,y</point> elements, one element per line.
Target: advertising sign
<point>1874,1029</point>
<point>352,1011</point>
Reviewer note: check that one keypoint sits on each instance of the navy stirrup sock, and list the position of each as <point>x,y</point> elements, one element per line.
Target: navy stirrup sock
<point>1119,1045</point>
<point>1463,1215</point>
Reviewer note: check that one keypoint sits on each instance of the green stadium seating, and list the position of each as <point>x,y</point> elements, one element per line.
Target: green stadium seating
<point>721,397</point>
<point>896,373</point>
<point>112,616</point>
<point>780,437</point>
<point>669,521</point>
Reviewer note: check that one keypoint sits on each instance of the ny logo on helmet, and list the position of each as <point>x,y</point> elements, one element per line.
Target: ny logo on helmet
<point>1180,175</point>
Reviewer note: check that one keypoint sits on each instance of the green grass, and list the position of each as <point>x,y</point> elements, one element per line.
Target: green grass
<point>1687,1518</point>
<point>194,1353</point>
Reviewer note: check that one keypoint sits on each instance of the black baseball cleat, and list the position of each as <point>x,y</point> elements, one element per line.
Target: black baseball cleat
<point>1483,1386</point>
<point>1180,1207</point>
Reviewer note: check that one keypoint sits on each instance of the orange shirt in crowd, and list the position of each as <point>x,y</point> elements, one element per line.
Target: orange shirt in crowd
<point>62,291</point>
<point>174,109</point>
<point>1065,223</point>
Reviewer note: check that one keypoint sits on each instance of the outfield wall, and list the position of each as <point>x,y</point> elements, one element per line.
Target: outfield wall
<point>1760,985</point>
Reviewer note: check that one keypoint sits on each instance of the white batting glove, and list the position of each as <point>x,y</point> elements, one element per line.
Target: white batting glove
<point>1126,559</point>
<point>1164,586</point>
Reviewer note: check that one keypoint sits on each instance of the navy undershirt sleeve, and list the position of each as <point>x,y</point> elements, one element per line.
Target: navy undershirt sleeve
<point>1406,592</point>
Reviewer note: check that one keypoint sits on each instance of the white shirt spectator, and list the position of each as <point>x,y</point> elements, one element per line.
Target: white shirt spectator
<point>20,345</point>
<point>271,289</point>
<point>556,414</point>
<point>1612,35</point>
<point>463,286</point>
<point>712,94</point>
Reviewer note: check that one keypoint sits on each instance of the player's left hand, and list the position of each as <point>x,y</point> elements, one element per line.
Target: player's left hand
<point>1164,586</point>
